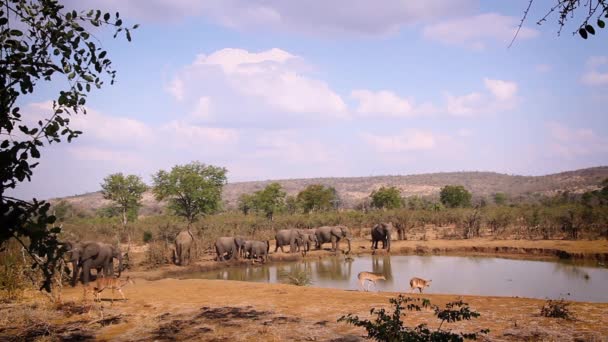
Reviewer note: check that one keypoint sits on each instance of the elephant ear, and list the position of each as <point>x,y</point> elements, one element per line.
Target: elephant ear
<point>90,250</point>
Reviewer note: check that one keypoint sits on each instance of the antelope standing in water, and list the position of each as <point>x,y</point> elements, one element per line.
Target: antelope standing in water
<point>419,283</point>
<point>113,284</point>
<point>372,277</point>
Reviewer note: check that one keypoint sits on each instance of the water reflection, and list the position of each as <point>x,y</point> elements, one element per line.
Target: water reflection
<point>453,275</point>
<point>333,269</point>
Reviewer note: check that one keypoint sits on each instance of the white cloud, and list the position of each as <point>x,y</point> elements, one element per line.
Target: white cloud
<point>176,88</point>
<point>502,90</point>
<point>501,96</point>
<point>185,135</point>
<point>354,17</point>
<point>202,109</point>
<point>572,142</point>
<point>477,31</point>
<point>465,105</point>
<point>386,103</point>
<point>596,73</point>
<point>464,133</point>
<point>411,140</point>
<point>243,84</point>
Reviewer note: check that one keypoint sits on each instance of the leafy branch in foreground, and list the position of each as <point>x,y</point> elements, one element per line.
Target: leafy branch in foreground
<point>389,326</point>
<point>40,41</point>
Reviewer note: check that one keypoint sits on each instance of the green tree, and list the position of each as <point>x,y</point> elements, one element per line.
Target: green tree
<point>453,196</point>
<point>246,203</point>
<point>500,198</point>
<point>63,210</point>
<point>192,190</point>
<point>386,198</point>
<point>291,204</point>
<point>269,200</point>
<point>42,41</point>
<point>317,197</point>
<point>125,191</point>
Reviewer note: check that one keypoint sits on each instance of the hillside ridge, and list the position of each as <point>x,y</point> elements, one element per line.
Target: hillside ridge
<point>353,190</point>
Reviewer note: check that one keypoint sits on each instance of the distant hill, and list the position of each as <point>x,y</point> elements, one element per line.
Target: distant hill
<point>353,190</point>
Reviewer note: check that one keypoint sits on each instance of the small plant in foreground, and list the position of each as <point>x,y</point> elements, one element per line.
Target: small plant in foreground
<point>296,277</point>
<point>389,326</point>
<point>556,309</point>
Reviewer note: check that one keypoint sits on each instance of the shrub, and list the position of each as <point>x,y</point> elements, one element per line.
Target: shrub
<point>12,274</point>
<point>158,253</point>
<point>556,309</point>
<point>147,236</point>
<point>296,277</point>
<point>389,326</point>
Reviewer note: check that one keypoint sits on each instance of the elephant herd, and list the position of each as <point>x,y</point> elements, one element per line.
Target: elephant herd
<point>298,240</point>
<point>88,255</point>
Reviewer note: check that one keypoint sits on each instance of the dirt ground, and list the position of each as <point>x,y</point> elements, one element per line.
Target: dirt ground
<point>218,310</point>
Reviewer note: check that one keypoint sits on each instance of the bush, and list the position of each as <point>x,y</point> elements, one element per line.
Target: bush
<point>147,236</point>
<point>556,309</point>
<point>158,253</point>
<point>296,277</point>
<point>12,274</point>
<point>389,326</point>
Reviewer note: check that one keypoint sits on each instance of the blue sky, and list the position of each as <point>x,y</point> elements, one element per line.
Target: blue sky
<point>288,89</point>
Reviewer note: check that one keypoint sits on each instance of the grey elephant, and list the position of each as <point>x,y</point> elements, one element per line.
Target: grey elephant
<point>382,232</point>
<point>291,237</point>
<point>229,247</point>
<point>257,249</point>
<point>88,255</point>
<point>334,235</point>
<point>309,239</point>
<point>183,247</point>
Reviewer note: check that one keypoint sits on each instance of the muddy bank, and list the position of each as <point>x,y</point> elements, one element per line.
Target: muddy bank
<point>217,310</point>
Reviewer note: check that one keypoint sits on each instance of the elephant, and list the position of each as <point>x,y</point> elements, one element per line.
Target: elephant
<point>183,247</point>
<point>291,237</point>
<point>258,249</point>
<point>309,237</point>
<point>88,255</point>
<point>382,232</point>
<point>231,246</point>
<point>334,235</point>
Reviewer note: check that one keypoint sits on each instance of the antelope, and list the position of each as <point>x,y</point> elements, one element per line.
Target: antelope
<point>372,277</point>
<point>419,283</point>
<point>113,284</point>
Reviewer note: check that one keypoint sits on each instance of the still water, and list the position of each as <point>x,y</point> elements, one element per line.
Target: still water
<point>450,275</point>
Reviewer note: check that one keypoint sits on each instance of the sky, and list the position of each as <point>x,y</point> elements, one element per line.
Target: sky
<point>276,89</point>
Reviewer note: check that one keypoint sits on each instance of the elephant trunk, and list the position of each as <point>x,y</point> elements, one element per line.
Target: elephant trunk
<point>348,241</point>
<point>388,241</point>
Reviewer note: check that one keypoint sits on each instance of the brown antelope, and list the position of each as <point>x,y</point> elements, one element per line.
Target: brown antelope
<point>372,277</point>
<point>419,283</point>
<point>111,283</point>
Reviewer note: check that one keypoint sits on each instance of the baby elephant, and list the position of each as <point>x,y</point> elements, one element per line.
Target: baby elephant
<point>419,283</point>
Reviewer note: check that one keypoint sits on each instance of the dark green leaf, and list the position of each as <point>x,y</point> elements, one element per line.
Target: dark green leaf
<point>600,23</point>
<point>106,16</point>
<point>590,29</point>
<point>583,33</point>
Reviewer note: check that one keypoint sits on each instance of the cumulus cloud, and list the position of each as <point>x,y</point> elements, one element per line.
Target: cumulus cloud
<point>411,140</point>
<point>359,17</point>
<point>502,90</point>
<point>478,31</point>
<point>243,84</point>
<point>573,142</point>
<point>596,73</point>
<point>385,103</point>
<point>500,96</point>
